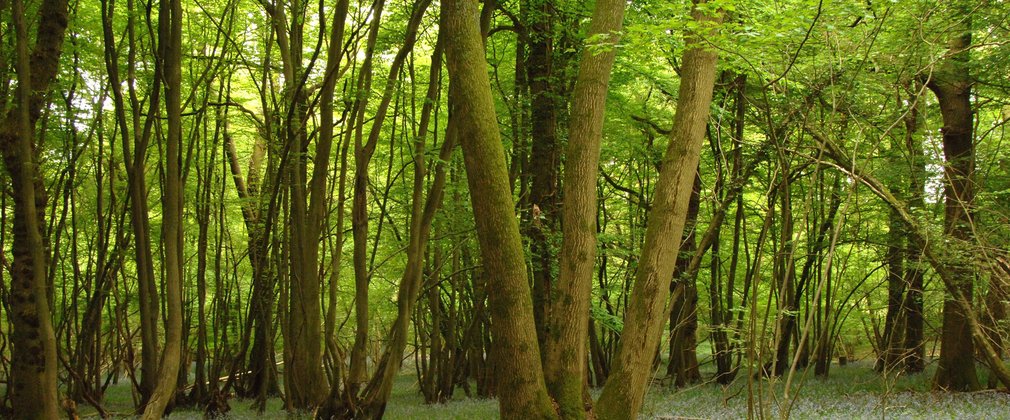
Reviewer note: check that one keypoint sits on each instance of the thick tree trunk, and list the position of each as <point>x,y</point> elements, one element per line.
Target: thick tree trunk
<point>625,390</point>
<point>515,347</point>
<point>545,153</point>
<point>952,85</point>
<point>33,375</point>
<point>565,361</point>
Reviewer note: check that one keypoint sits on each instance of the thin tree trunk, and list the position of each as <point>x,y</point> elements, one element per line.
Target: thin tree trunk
<point>357,373</point>
<point>137,186</point>
<point>422,214</point>
<point>785,272</point>
<point>170,45</point>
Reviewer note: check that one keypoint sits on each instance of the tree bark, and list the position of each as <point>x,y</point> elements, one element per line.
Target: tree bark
<point>625,390</point>
<point>894,258</point>
<point>683,361</point>
<point>565,361</point>
<point>33,374</point>
<point>951,84</point>
<point>914,359</point>
<point>544,160</point>
<point>170,46</point>
<point>515,349</point>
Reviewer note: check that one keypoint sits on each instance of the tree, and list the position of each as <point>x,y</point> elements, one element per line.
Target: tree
<point>951,83</point>
<point>135,166</point>
<point>170,54</point>
<point>625,389</point>
<point>33,377</point>
<point>516,350</point>
<point>565,360</point>
<point>545,154</point>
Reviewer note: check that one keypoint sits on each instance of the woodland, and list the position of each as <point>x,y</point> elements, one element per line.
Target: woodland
<point>547,208</point>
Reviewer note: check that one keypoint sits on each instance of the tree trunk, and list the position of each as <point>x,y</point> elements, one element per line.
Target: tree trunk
<point>422,214</point>
<point>137,186</point>
<point>544,158</point>
<point>890,346</point>
<point>515,349</point>
<point>625,390</point>
<point>357,372</point>
<point>785,272</point>
<point>952,85</point>
<point>565,361</point>
<point>170,46</point>
<point>683,363</point>
<point>33,374</point>
<point>914,359</point>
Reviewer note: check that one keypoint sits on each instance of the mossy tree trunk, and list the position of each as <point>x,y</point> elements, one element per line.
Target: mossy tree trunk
<point>33,376</point>
<point>565,358</point>
<point>625,389</point>
<point>516,352</point>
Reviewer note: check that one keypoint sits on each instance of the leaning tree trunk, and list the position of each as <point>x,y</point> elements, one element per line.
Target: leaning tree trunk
<point>625,390</point>
<point>33,383</point>
<point>516,352</point>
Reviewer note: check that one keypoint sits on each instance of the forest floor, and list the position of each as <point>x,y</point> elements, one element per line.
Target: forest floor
<point>854,391</point>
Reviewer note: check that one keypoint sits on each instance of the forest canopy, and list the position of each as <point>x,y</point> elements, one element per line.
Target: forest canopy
<point>560,205</point>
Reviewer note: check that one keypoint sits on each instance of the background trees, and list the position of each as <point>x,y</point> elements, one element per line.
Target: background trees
<point>834,186</point>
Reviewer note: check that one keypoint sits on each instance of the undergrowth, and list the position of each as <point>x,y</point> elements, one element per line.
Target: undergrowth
<point>854,391</point>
